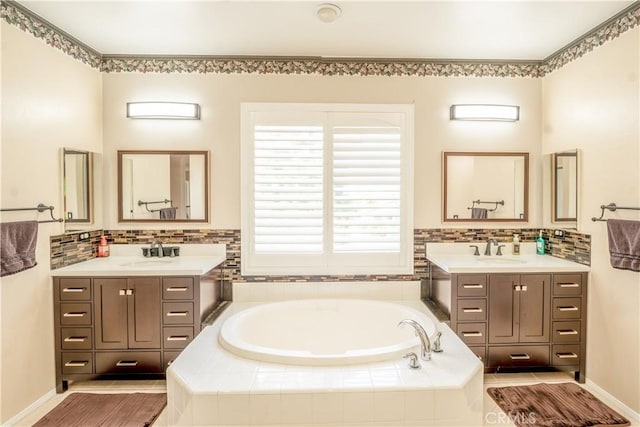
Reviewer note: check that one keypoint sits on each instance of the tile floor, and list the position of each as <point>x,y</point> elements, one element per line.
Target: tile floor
<point>493,416</point>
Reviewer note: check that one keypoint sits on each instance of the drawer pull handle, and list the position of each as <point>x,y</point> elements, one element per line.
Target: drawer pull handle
<point>178,338</point>
<point>75,339</point>
<point>472,334</point>
<point>569,285</point>
<point>567,332</point>
<point>177,289</point>
<point>177,313</point>
<point>568,308</point>
<point>127,363</point>
<point>74,290</point>
<point>75,314</point>
<point>566,355</point>
<point>472,310</point>
<point>520,356</point>
<point>77,363</point>
<point>472,286</point>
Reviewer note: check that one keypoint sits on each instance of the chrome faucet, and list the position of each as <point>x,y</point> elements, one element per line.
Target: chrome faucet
<point>487,250</point>
<point>425,343</point>
<point>158,246</point>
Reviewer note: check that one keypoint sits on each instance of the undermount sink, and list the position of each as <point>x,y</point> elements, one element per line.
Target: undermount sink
<point>144,262</point>
<point>500,260</point>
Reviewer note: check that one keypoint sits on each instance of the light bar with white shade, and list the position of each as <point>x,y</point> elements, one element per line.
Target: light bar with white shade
<point>163,110</point>
<point>485,112</point>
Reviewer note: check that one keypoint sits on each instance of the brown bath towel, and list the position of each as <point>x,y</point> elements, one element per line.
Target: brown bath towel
<point>18,241</point>
<point>478,213</point>
<point>168,213</point>
<point>624,244</point>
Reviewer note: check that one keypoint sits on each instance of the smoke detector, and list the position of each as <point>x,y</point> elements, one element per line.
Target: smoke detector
<point>328,12</point>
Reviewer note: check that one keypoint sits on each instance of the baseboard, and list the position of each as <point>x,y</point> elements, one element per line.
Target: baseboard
<point>610,400</point>
<point>26,411</point>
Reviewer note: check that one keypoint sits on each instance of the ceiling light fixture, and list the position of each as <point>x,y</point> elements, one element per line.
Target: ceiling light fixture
<point>163,110</point>
<point>328,12</point>
<point>485,112</point>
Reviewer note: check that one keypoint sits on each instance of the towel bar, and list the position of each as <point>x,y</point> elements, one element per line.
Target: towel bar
<point>477,202</point>
<point>40,208</point>
<point>611,207</point>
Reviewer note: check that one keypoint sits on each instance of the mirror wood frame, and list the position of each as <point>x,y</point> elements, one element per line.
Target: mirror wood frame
<point>205,154</point>
<point>554,171</point>
<point>525,205</point>
<point>88,178</point>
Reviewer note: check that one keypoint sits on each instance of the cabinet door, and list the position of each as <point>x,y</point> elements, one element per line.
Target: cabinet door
<point>503,308</point>
<point>110,313</point>
<point>535,300</point>
<point>144,312</point>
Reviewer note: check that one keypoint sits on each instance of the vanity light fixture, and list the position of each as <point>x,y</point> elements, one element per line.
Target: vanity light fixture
<point>485,112</point>
<point>163,110</point>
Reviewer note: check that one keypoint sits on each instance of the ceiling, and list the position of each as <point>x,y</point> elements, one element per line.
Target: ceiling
<point>507,30</point>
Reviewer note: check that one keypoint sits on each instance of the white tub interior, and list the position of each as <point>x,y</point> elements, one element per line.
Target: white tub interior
<point>323,331</point>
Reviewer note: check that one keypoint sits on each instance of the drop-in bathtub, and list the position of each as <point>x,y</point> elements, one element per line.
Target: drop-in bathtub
<point>353,375</point>
<point>323,332</point>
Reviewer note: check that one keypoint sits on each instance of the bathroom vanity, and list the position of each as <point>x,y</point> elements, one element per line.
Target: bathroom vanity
<point>130,316</point>
<point>513,312</point>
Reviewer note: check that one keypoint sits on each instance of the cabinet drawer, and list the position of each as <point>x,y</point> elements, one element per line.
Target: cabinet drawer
<point>566,332</point>
<point>472,333</point>
<point>77,363</point>
<point>480,352</point>
<point>472,309</point>
<point>75,313</point>
<point>76,338</point>
<point>168,357</point>
<point>177,288</point>
<point>567,284</point>
<point>177,337</point>
<point>472,285</point>
<point>75,289</point>
<point>177,313</point>
<point>567,308</point>
<point>514,356</point>
<point>565,354</point>
<point>126,362</point>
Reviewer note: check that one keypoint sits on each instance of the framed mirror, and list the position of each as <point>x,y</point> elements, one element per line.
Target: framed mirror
<point>163,186</point>
<point>485,187</point>
<point>76,185</point>
<point>564,168</point>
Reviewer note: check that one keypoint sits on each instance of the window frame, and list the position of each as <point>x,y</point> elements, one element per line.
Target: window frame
<point>328,263</point>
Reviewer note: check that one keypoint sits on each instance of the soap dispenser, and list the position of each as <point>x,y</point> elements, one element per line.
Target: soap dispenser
<point>103,247</point>
<point>516,244</point>
<point>540,244</point>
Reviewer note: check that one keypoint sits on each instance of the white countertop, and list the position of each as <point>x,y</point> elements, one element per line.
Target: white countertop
<point>127,260</point>
<point>459,258</point>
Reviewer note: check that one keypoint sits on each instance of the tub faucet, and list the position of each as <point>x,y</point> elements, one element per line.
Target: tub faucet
<point>425,344</point>
<point>487,250</point>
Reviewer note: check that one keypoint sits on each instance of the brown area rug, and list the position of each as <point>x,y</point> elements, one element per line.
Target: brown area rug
<point>93,410</point>
<point>554,405</point>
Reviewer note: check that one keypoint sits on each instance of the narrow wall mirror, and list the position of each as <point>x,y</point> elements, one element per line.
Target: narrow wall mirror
<point>485,187</point>
<point>81,185</point>
<point>163,186</point>
<point>564,169</point>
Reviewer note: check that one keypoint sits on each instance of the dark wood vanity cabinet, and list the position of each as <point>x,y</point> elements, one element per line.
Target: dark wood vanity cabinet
<point>518,321</point>
<point>123,326</point>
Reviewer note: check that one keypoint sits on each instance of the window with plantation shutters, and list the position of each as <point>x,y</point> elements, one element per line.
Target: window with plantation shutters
<point>327,189</point>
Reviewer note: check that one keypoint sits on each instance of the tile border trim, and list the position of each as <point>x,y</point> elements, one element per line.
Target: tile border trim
<point>15,14</point>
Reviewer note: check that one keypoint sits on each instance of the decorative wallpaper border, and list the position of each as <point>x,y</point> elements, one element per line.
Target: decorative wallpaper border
<point>19,16</point>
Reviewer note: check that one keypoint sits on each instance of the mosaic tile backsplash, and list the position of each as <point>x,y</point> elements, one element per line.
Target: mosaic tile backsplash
<point>67,249</point>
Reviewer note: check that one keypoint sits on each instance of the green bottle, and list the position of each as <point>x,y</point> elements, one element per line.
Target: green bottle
<point>540,244</point>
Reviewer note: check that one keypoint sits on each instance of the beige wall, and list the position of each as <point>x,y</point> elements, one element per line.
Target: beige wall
<point>593,104</point>
<point>219,130</point>
<point>49,101</point>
